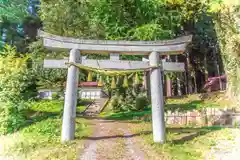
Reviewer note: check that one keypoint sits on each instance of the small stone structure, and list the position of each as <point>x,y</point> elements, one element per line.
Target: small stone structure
<point>90,90</point>
<point>206,116</point>
<point>47,93</point>
<point>86,90</point>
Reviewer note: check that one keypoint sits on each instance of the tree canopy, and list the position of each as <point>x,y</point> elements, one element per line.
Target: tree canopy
<point>13,10</point>
<point>114,19</point>
<point>134,20</point>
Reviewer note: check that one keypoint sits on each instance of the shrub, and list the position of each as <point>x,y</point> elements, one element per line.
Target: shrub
<point>55,96</point>
<point>11,118</point>
<point>114,103</point>
<point>128,103</point>
<point>15,81</point>
<point>84,102</point>
<point>141,103</point>
<point>235,124</point>
<point>50,106</point>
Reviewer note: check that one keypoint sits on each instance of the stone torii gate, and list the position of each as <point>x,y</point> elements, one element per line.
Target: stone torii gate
<point>151,48</point>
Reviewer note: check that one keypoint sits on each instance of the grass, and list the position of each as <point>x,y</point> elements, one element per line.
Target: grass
<point>198,101</point>
<point>125,115</point>
<point>55,106</point>
<point>40,139</point>
<point>182,143</point>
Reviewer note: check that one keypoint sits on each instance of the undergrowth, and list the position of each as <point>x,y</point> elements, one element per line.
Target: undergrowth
<point>182,104</point>
<point>182,142</point>
<point>40,139</point>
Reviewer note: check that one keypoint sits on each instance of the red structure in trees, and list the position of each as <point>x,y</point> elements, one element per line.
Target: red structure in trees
<point>216,83</point>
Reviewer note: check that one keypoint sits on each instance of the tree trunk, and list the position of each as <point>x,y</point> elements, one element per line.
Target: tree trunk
<point>168,86</point>
<point>195,83</point>
<point>216,63</point>
<point>205,67</point>
<point>179,92</point>
<point>188,75</point>
<point>148,88</point>
<point>168,81</point>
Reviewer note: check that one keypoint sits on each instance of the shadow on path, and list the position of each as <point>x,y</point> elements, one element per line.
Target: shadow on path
<point>188,134</point>
<point>118,136</point>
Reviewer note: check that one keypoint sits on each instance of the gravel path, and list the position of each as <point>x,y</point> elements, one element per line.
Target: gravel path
<point>226,149</point>
<point>111,141</point>
<point>133,151</point>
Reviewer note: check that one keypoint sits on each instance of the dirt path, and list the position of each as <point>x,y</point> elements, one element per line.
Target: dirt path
<point>112,141</point>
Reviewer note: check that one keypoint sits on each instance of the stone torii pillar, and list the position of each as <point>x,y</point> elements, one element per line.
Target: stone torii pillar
<point>158,122</point>
<point>70,102</point>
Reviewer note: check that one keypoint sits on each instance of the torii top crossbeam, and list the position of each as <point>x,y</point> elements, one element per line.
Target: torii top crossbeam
<point>165,47</point>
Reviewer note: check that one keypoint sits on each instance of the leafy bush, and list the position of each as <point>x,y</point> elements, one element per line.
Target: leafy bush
<point>34,140</point>
<point>134,101</point>
<point>50,106</point>
<point>229,42</point>
<point>114,103</point>
<point>141,103</point>
<point>15,81</point>
<point>11,117</point>
<point>84,102</point>
<point>55,96</point>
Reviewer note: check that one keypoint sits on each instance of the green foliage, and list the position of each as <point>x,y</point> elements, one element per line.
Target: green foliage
<point>183,142</point>
<point>51,106</point>
<point>229,42</point>
<point>128,115</point>
<point>13,10</point>
<point>42,134</point>
<point>114,103</point>
<point>132,20</point>
<point>55,96</point>
<point>16,82</point>
<point>41,129</point>
<point>236,124</point>
<point>141,103</point>
<point>48,77</point>
<point>19,27</point>
<point>131,99</point>
<point>33,141</point>
<point>185,104</point>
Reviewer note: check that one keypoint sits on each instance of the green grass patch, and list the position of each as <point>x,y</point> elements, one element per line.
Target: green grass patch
<point>40,139</point>
<point>199,101</point>
<point>81,108</point>
<point>182,142</point>
<point>55,106</point>
<point>124,115</point>
<point>48,106</point>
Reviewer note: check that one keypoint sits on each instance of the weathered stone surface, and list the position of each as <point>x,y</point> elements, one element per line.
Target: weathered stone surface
<point>176,46</point>
<point>207,116</point>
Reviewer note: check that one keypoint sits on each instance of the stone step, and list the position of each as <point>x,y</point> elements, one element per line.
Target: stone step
<point>96,107</point>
